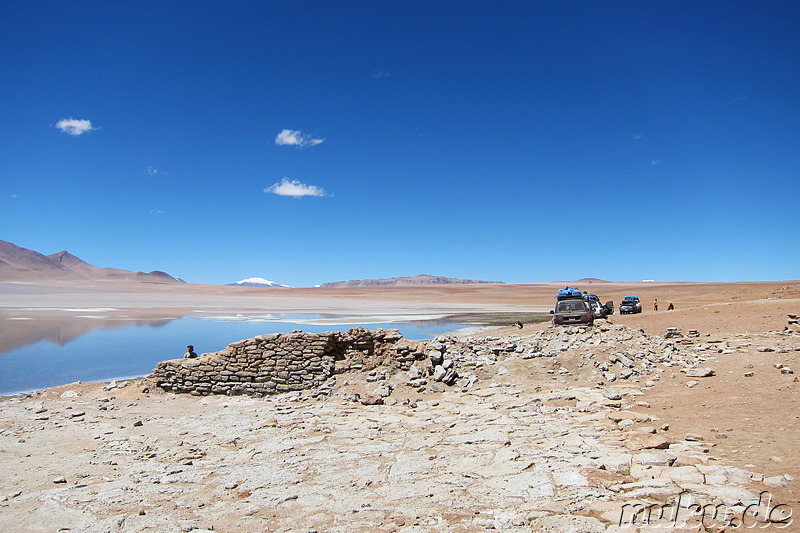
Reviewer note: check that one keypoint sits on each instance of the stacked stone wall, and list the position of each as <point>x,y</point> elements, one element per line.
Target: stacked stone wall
<point>274,363</point>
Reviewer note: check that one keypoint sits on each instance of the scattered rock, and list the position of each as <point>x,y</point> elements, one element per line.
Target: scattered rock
<point>612,393</point>
<point>371,399</point>
<point>698,372</point>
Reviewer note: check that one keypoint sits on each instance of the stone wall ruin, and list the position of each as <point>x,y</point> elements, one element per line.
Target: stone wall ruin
<point>274,363</point>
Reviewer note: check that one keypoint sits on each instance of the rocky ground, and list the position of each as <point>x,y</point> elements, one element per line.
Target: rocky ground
<point>538,429</point>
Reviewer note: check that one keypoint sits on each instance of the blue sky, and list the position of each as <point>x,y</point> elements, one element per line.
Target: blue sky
<point>307,142</point>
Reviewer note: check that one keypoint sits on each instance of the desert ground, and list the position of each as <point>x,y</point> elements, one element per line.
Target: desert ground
<point>534,444</point>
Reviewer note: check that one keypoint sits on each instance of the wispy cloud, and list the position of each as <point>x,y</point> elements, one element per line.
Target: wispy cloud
<point>74,126</point>
<point>637,136</point>
<point>378,74</point>
<point>14,195</point>
<point>156,212</point>
<point>296,138</point>
<point>156,172</point>
<point>294,188</point>
<point>655,161</point>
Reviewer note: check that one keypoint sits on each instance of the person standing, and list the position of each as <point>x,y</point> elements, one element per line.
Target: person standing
<point>189,352</point>
<point>655,304</point>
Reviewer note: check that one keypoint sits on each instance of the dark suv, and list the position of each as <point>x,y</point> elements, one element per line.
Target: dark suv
<point>573,311</point>
<point>630,304</point>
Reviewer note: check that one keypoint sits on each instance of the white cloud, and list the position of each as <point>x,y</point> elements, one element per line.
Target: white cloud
<point>155,172</point>
<point>655,161</point>
<point>378,74</point>
<point>296,138</point>
<point>74,126</point>
<point>156,212</point>
<point>294,188</point>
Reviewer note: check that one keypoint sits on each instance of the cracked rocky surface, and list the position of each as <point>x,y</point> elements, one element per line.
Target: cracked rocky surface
<point>551,429</point>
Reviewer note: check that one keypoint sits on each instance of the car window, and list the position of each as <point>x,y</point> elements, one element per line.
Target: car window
<point>568,306</point>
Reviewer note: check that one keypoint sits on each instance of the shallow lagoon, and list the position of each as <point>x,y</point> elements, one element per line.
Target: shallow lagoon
<point>111,350</point>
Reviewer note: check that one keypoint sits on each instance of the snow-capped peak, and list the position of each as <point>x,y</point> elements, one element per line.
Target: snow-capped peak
<point>257,282</point>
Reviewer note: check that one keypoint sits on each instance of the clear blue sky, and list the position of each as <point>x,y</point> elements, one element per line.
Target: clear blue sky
<point>307,142</point>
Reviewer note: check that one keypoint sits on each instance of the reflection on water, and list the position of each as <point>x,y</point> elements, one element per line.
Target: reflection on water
<point>41,353</point>
<point>16,332</point>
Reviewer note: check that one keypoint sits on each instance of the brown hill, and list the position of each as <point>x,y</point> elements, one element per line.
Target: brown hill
<point>21,264</point>
<point>422,279</point>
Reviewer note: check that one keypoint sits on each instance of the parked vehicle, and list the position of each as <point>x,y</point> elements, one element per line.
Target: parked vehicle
<point>573,311</point>
<point>630,305</point>
<point>597,308</point>
<point>600,310</point>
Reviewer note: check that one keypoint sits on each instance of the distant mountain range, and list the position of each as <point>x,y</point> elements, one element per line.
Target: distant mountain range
<point>21,264</point>
<point>422,279</point>
<point>255,282</point>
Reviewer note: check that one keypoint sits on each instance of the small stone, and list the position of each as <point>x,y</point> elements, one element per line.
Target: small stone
<point>612,393</point>
<point>778,481</point>
<point>698,372</point>
<point>138,423</point>
<point>61,479</point>
<point>647,442</point>
<point>371,399</point>
<point>383,392</point>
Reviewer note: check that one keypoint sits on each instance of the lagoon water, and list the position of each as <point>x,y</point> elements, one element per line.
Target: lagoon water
<point>120,350</point>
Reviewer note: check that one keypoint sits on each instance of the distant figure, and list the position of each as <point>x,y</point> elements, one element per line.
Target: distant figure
<point>670,307</point>
<point>518,324</point>
<point>189,352</point>
<point>655,304</point>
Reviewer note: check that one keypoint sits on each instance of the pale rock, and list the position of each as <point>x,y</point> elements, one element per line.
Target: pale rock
<point>612,393</point>
<point>698,372</point>
<point>778,481</point>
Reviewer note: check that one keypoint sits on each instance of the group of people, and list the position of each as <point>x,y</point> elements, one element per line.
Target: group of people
<point>670,307</point>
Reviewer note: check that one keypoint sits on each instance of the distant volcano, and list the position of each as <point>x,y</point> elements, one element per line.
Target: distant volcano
<point>255,282</point>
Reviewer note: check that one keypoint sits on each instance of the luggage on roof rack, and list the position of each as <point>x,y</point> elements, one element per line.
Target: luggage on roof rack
<point>568,292</point>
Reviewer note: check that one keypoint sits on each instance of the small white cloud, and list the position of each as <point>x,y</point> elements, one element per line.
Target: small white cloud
<point>655,162</point>
<point>296,138</point>
<point>155,172</point>
<point>14,195</point>
<point>156,212</point>
<point>378,74</point>
<point>637,136</point>
<point>74,126</point>
<point>294,188</point>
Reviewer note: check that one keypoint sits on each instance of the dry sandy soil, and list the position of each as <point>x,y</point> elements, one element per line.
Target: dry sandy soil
<point>748,413</point>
